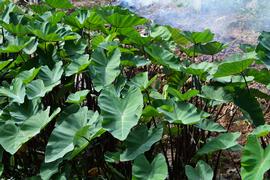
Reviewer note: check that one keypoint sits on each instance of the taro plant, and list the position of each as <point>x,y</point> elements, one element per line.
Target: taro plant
<point>102,93</point>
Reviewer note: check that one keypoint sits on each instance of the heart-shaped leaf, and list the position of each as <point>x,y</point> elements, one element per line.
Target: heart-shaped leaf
<point>221,142</point>
<point>77,97</point>
<point>183,113</point>
<point>105,67</point>
<point>143,170</point>
<point>19,135</point>
<point>255,160</point>
<point>16,91</point>
<point>139,141</point>
<point>202,171</point>
<point>125,112</point>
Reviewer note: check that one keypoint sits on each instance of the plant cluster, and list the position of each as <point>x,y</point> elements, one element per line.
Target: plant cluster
<point>102,93</point>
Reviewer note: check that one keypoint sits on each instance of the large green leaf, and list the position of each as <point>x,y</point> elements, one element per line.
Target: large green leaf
<point>105,67</point>
<point>37,89</point>
<point>210,48</point>
<point>210,125</point>
<point>143,170</point>
<point>255,160</point>
<point>61,140</point>
<point>221,142</point>
<point>139,141</point>
<point>235,64</point>
<point>120,114</point>
<point>261,131</point>
<point>263,48</point>
<point>28,75</point>
<point>13,136</point>
<point>51,32</point>
<point>77,65</point>
<point>199,37</point>
<point>124,21</point>
<point>16,91</point>
<point>216,94</point>
<point>51,77</point>
<point>182,97</point>
<point>202,171</point>
<point>140,80</point>
<point>260,75</point>
<point>249,106</point>
<point>77,97</point>
<point>163,57</point>
<point>17,44</point>
<point>18,29</point>
<point>61,4</point>
<point>78,18</point>
<point>21,112</point>
<point>183,113</point>
<point>3,64</point>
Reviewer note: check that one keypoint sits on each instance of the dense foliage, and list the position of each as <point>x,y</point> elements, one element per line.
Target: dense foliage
<point>103,93</point>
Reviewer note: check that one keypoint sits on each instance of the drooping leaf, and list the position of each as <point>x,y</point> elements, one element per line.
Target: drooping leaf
<point>163,57</point>
<point>139,141</point>
<point>105,67</point>
<point>16,91</point>
<point>37,89</point>
<point>61,140</point>
<point>255,160</point>
<point>210,125</point>
<point>202,171</point>
<point>260,76</point>
<point>199,37</point>
<point>235,64</point>
<point>3,64</point>
<point>19,135</point>
<point>28,75</point>
<point>143,170</point>
<point>210,48</point>
<point>261,131</point>
<point>77,65</point>
<point>124,114</point>
<point>78,97</point>
<point>51,77</point>
<point>51,32</point>
<point>221,142</point>
<point>216,94</point>
<point>250,107</point>
<point>17,44</point>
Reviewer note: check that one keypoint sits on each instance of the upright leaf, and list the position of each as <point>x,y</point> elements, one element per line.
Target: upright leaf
<point>120,114</point>
<point>143,170</point>
<point>255,160</point>
<point>16,92</point>
<point>202,171</point>
<point>139,141</point>
<point>105,68</point>
<point>61,139</point>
